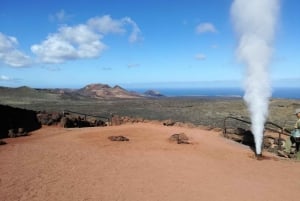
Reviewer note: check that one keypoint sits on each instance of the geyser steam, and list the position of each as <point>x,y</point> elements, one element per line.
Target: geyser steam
<point>255,24</point>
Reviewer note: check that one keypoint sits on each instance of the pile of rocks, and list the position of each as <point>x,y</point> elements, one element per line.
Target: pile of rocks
<point>73,122</point>
<point>49,118</point>
<point>118,120</point>
<point>66,120</point>
<point>12,133</point>
<point>270,142</point>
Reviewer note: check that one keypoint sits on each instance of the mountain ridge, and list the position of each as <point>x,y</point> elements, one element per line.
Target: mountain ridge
<point>94,91</point>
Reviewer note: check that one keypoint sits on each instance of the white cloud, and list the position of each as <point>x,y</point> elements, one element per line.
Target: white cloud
<point>136,32</point>
<point>106,25</point>
<point>5,78</point>
<point>82,41</point>
<point>9,54</point>
<point>60,16</point>
<point>206,27</point>
<point>200,56</point>
<point>69,43</point>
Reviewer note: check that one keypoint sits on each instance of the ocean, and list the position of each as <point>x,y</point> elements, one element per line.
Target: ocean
<point>285,93</point>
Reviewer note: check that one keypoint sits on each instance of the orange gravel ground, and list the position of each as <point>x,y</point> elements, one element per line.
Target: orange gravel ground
<point>81,164</point>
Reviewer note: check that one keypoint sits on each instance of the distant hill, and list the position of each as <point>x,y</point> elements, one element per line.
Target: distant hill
<point>153,93</point>
<point>104,91</point>
<point>24,93</point>
<point>91,91</point>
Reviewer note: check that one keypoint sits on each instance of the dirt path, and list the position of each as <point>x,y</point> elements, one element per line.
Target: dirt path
<point>82,164</point>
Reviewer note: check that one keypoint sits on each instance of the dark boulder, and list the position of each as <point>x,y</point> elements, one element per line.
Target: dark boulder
<point>17,119</point>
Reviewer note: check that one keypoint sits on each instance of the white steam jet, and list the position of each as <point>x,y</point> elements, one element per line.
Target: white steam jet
<point>255,25</point>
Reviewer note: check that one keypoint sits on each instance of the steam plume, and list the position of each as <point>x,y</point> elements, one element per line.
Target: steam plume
<point>255,23</point>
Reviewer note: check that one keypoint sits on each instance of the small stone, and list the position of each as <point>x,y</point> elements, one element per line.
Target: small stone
<point>118,138</point>
<point>282,154</point>
<point>169,123</point>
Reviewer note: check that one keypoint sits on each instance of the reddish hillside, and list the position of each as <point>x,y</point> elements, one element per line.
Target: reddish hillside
<point>105,91</point>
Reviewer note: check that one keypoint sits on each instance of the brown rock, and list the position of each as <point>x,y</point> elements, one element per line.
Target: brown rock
<point>180,138</point>
<point>118,138</point>
<point>169,123</point>
<point>116,120</point>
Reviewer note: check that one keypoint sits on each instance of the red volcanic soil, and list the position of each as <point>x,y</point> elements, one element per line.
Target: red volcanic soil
<point>82,164</point>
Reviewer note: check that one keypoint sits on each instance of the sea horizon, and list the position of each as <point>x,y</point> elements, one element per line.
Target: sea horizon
<point>277,92</point>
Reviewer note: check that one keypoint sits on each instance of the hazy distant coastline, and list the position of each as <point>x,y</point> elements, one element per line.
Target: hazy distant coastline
<point>278,92</point>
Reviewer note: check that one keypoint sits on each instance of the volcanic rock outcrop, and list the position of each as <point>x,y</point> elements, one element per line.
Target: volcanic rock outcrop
<point>14,120</point>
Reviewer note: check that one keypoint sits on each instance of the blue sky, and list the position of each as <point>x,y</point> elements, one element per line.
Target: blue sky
<point>132,43</point>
